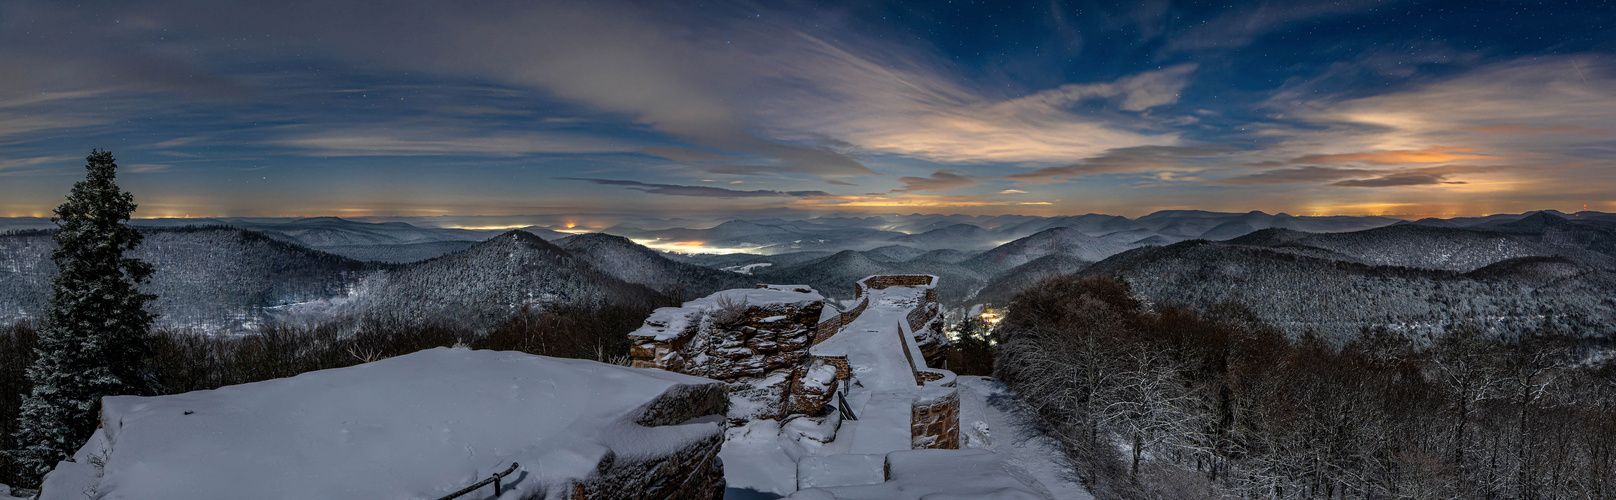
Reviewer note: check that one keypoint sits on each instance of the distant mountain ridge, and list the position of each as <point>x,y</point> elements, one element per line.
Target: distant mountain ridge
<point>261,276</point>
<point>1539,271</point>
<point>223,279</point>
<point>978,233</point>
<point>400,242</point>
<point>633,263</point>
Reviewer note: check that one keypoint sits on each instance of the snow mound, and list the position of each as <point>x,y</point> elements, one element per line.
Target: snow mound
<point>7,494</point>
<point>416,426</point>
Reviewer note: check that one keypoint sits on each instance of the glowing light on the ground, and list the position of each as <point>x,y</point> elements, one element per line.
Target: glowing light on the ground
<point>991,316</point>
<point>692,247</point>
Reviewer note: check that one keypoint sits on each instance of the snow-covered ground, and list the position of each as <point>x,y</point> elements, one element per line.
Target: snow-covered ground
<point>991,418</point>
<point>936,475</point>
<point>411,427</point>
<point>6,494</point>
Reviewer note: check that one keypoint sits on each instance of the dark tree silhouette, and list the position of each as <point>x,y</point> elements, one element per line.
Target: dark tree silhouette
<point>95,333</point>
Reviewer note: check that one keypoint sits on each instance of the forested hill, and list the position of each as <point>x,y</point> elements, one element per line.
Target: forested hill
<point>490,281</point>
<point>1299,288</point>
<point>1453,249</point>
<point>215,278</point>
<point>223,279</point>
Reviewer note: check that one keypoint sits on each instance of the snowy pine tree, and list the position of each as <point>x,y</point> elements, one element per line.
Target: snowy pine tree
<point>95,329</point>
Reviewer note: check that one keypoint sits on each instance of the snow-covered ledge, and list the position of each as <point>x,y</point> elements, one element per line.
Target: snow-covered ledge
<point>416,426</point>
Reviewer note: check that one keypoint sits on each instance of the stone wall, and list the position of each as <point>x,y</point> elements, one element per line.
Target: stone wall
<point>831,326</point>
<point>843,370</point>
<point>889,280</point>
<point>927,325</point>
<point>934,424</point>
<point>813,388</point>
<point>910,357</point>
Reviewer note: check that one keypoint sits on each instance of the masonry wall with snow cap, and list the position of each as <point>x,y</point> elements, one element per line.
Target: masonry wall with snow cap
<point>422,425</point>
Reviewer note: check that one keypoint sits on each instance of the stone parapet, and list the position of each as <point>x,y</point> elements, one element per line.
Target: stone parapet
<point>934,420</point>
<point>814,387</point>
<point>831,324</point>
<point>882,281</point>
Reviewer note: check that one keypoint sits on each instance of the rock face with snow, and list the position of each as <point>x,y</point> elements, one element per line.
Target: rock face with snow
<point>812,390</point>
<point>421,425</point>
<point>755,339</point>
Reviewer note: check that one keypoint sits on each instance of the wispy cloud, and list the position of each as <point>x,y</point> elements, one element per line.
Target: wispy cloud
<point>1128,160</point>
<point>1243,26</point>
<point>37,165</point>
<point>1398,180</point>
<point>406,140</point>
<point>890,201</point>
<point>700,191</point>
<point>146,168</point>
<point>1433,154</point>
<point>685,154</point>
<point>1359,177</point>
<point>1424,176</point>
<point>1522,130</point>
<point>941,180</point>
<point>914,112</point>
<point>1293,176</point>
<point>1529,104</point>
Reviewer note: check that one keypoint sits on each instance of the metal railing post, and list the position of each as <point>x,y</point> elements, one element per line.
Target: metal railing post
<point>495,478</point>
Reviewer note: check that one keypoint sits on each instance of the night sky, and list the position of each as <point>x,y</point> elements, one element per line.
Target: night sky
<point>721,109</point>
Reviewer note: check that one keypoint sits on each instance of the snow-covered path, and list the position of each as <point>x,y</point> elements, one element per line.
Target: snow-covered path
<point>847,459</point>
<point>758,457</point>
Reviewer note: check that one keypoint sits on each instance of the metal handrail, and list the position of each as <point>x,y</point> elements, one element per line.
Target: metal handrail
<point>491,479</point>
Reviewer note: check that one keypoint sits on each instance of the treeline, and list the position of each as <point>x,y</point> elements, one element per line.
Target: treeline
<point>184,361</point>
<point>1166,402</point>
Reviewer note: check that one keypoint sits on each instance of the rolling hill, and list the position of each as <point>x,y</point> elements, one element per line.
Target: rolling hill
<point>481,285</point>
<point>633,263</point>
